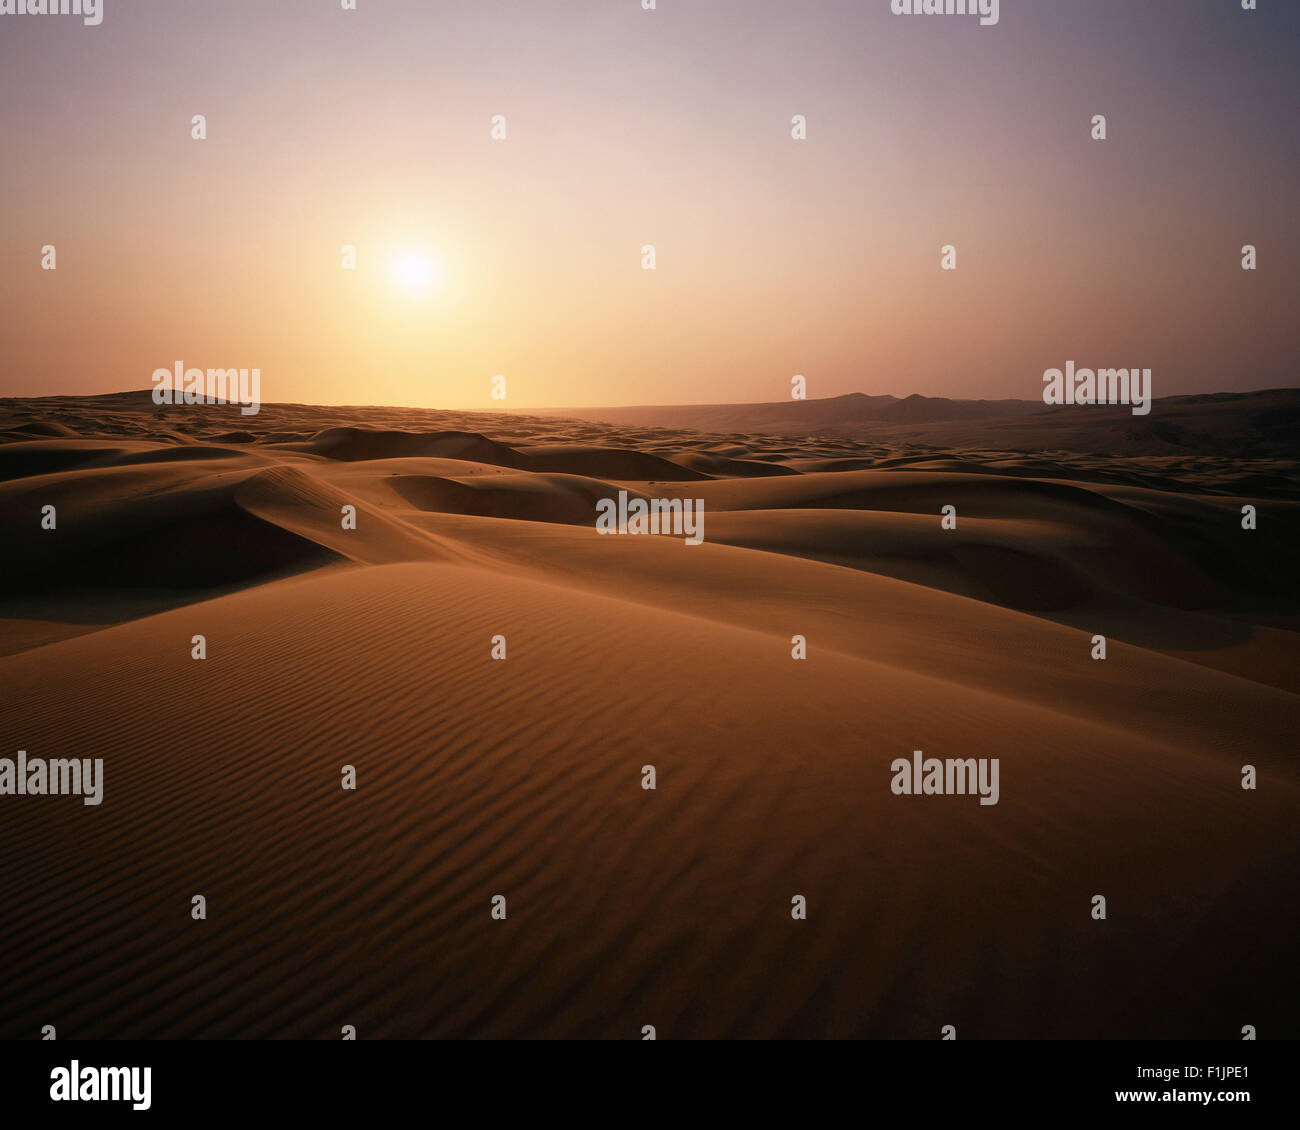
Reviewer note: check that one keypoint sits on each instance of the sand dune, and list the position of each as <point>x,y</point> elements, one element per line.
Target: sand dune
<point>371,647</point>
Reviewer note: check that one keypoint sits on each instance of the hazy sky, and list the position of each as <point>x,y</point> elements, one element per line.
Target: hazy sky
<point>669,127</point>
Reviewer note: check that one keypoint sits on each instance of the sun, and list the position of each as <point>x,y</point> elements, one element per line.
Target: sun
<point>415,271</point>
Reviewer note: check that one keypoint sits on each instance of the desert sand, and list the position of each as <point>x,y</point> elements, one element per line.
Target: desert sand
<point>372,647</point>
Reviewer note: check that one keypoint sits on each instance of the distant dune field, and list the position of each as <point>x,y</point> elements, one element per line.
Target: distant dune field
<point>372,647</point>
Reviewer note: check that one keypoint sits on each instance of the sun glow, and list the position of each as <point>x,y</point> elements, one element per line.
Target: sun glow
<point>416,271</point>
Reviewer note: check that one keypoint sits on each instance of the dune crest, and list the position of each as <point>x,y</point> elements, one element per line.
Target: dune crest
<point>366,639</point>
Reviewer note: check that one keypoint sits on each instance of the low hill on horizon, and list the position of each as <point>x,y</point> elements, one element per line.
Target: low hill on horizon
<point>850,407</point>
<point>1250,424</point>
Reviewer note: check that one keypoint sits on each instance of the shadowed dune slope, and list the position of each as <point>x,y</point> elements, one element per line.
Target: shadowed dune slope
<point>624,907</point>
<point>350,569</point>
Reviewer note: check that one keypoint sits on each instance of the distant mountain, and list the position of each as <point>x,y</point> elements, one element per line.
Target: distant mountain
<point>1248,424</point>
<point>803,416</point>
